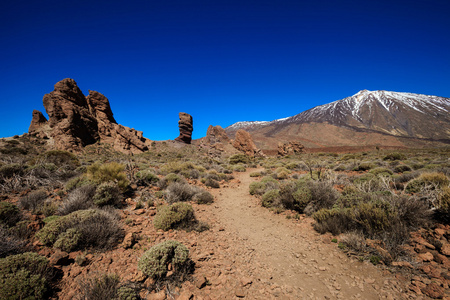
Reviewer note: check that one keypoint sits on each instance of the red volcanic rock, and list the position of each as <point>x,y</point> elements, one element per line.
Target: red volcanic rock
<point>72,124</point>
<point>37,121</point>
<point>216,134</point>
<point>76,121</point>
<point>244,143</point>
<point>289,148</point>
<point>186,127</point>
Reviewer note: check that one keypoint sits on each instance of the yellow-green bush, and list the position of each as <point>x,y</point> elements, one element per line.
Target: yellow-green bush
<point>239,158</point>
<point>432,180</point>
<point>177,215</point>
<point>9,214</point>
<point>24,276</point>
<point>155,262</point>
<point>271,198</point>
<point>100,173</point>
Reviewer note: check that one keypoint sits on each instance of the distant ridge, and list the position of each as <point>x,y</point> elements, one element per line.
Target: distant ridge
<point>366,118</point>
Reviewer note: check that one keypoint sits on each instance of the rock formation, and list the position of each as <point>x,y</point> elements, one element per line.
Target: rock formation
<point>76,121</point>
<point>186,127</point>
<point>216,134</point>
<point>289,148</point>
<point>37,122</point>
<point>244,143</point>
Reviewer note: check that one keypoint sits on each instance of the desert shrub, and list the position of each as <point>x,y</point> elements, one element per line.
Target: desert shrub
<point>239,168</point>
<point>203,197</point>
<point>100,173</point>
<point>78,199</point>
<point>177,215</point>
<point>177,192</point>
<point>10,244</point>
<point>68,240</point>
<point>59,158</point>
<point>355,240</point>
<point>402,169</point>
<point>267,183</point>
<point>257,188</point>
<point>412,212</point>
<point>429,180</point>
<point>9,214</point>
<point>271,198</point>
<point>77,182</point>
<point>108,193</point>
<point>146,177</point>
<point>93,228</point>
<point>99,288</point>
<point>323,195</point>
<point>170,178</point>
<point>239,159</point>
<point>10,170</point>
<point>155,262</point>
<point>394,156</point>
<point>364,166</point>
<point>381,172</point>
<point>282,175</point>
<point>255,174</point>
<point>25,276</point>
<point>295,196</point>
<point>33,201</point>
<point>212,183</point>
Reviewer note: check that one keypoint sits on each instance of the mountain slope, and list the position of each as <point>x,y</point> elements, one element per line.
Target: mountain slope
<point>366,118</point>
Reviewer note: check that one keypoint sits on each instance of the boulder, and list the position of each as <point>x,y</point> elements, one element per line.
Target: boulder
<point>289,148</point>
<point>186,127</point>
<point>244,143</point>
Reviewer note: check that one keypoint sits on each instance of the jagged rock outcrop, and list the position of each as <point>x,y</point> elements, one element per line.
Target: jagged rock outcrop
<point>216,134</point>
<point>76,121</point>
<point>37,122</point>
<point>244,143</point>
<point>186,126</point>
<point>289,148</point>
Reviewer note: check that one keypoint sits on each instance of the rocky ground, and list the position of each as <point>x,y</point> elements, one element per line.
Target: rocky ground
<point>252,253</point>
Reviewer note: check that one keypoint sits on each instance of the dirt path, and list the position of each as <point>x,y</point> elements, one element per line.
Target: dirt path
<point>291,256</point>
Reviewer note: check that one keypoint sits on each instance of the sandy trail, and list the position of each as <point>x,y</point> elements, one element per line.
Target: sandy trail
<point>291,255</point>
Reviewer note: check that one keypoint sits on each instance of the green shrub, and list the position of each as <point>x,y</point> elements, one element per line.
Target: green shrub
<point>146,177</point>
<point>323,195</point>
<point>177,215</point>
<point>108,193</point>
<point>170,178</point>
<point>100,173</point>
<point>239,168</point>
<point>364,166</point>
<point>257,188</point>
<point>9,214</point>
<point>204,197</point>
<point>99,229</point>
<point>271,198</point>
<point>381,172</point>
<point>255,174</point>
<point>395,156</point>
<point>24,276</point>
<point>59,158</point>
<point>68,240</point>
<point>402,168</point>
<point>77,182</point>
<point>155,262</point>
<point>212,183</point>
<point>430,180</point>
<point>239,159</point>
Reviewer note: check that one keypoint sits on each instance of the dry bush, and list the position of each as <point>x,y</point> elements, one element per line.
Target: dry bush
<point>170,178</point>
<point>78,199</point>
<point>212,183</point>
<point>180,192</point>
<point>355,240</point>
<point>323,195</point>
<point>33,201</point>
<point>10,244</point>
<point>107,286</point>
<point>9,214</point>
<point>203,197</point>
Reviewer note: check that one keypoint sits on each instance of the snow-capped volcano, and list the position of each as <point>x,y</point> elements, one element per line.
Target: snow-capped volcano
<point>389,113</point>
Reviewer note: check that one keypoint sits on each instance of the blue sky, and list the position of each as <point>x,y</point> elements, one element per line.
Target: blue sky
<point>220,61</point>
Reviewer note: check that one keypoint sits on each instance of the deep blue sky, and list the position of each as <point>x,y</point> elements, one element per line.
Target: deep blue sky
<point>220,61</point>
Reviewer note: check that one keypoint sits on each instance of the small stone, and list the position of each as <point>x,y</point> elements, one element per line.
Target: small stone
<point>186,296</point>
<point>369,280</point>
<point>445,249</point>
<point>239,292</point>
<point>434,291</point>
<point>246,281</point>
<point>60,258</point>
<point>426,256</point>
<point>200,282</point>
